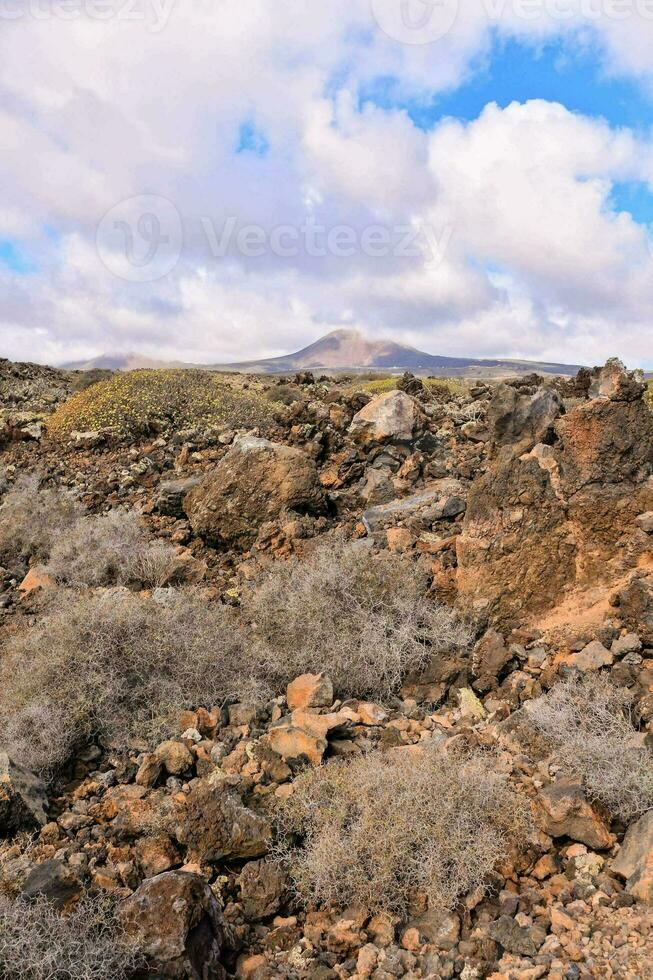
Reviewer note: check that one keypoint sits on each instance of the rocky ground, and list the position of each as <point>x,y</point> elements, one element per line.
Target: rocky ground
<point>527,507</point>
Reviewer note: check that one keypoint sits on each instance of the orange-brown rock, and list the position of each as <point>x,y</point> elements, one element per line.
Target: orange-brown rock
<point>565,812</point>
<point>37,578</point>
<point>310,691</point>
<point>561,517</point>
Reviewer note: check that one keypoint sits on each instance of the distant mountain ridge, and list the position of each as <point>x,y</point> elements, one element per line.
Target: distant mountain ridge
<point>350,350</point>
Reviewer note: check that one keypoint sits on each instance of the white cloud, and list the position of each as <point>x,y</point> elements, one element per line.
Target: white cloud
<point>537,261</point>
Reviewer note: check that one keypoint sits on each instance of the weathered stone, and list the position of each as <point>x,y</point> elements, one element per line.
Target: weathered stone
<point>470,706</point>
<point>515,552</point>
<point>175,758</point>
<point>296,746</point>
<point>635,859</point>
<point>177,924</point>
<point>37,578</point>
<point>635,604</point>
<point>520,420</point>
<point>255,482</point>
<point>645,521</point>
<point>23,800</point>
<point>55,881</point>
<point>629,643</point>
<point>605,441</point>
<point>393,416</point>
<point>370,713</point>
<point>149,770</point>
<point>133,810</point>
<point>262,887</point>
<point>441,499</point>
<point>215,826</point>
<point>565,812</point>
<point>613,381</point>
<point>378,487</point>
<point>310,691</point>
<point>439,929</point>
<point>591,657</point>
<point>560,516</point>
<point>156,855</point>
<point>323,725</point>
<point>515,938</point>
<point>399,539</point>
<point>490,656</point>
<point>169,500</point>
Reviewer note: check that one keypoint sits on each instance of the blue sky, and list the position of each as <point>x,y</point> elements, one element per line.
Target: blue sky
<point>521,147</point>
<point>514,71</point>
<point>557,71</point>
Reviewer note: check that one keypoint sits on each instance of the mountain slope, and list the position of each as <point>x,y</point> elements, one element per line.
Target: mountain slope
<point>348,350</point>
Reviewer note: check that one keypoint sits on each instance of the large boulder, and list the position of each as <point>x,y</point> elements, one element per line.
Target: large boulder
<point>605,441</point>
<point>177,924</point>
<point>391,417</point>
<point>522,420</point>
<point>515,552</point>
<point>560,518</point>
<point>23,799</point>
<point>257,481</point>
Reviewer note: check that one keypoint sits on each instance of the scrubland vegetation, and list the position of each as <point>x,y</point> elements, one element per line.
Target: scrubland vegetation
<point>115,666</point>
<point>150,400</point>
<point>85,943</point>
<point>588,723</point>
<point>365,619</point>
<point>32,518</point>
<point>374,831</point>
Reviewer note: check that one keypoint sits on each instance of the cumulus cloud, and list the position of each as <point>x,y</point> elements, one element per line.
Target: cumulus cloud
<point>495,236</point>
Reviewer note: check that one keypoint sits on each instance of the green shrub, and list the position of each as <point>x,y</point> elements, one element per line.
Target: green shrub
<point>139,402</point>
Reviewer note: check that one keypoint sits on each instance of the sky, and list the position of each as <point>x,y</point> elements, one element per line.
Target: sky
<point>213,180</point>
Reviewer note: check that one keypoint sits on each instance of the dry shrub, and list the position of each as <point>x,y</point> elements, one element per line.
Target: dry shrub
<point>111,549</point>
<point>363,619</point>
<point>113,665</point>
<point>31,519</point>
<point>375,830</point>
<point>88,943</point>
<point>587,722</point>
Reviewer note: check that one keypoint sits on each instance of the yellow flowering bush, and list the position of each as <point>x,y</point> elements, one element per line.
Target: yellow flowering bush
<point>142,401</point>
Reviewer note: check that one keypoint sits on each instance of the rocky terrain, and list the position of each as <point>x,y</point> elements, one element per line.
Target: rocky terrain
<point>312,678</point>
